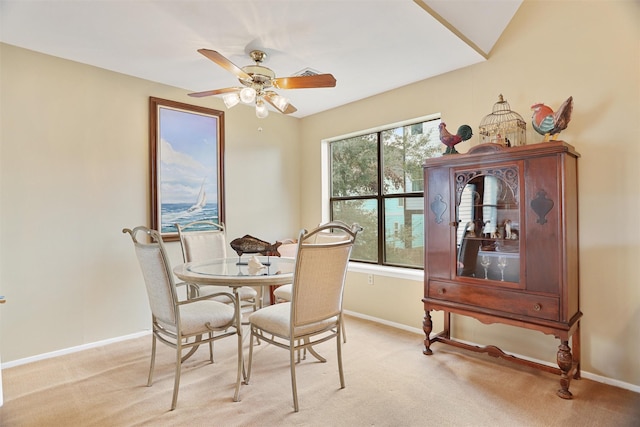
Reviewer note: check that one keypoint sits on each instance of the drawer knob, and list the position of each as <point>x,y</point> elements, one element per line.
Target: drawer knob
<point>537,307</point>
<point>441,291</point>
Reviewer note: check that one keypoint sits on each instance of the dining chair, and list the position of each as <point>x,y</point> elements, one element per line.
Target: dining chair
<point>205,240</point>
<point>283,293</point>
<point>181,324</point>
<point>314,314</point>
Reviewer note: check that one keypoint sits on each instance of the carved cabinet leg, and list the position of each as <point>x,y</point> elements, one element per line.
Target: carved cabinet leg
<point>565,362</point>
<point>427,327</point>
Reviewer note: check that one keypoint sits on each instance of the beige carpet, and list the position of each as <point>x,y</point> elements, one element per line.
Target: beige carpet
<point>389,383</point>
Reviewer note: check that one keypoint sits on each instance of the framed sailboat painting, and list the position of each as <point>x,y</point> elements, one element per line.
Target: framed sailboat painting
<point>187,160</point>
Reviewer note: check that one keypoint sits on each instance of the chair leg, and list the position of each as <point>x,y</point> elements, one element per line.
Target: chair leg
<point>250,362</point>
<point>241,372</point>
<point>292,363</point>
<point>176,384</point>
<point>344,332</point>
<point>193,349</point>
<point>339,351</point>
<point>313,352</point>
<point>257,305</point>
<point>211,347</point>
<point>153,359</point>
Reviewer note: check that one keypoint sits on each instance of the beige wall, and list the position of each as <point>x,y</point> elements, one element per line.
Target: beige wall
<point>74,172</point>
<point>550,50</point>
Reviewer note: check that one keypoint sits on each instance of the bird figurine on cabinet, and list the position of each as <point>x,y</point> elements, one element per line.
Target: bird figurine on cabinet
<point>464,133</point>
<point>548,123</point>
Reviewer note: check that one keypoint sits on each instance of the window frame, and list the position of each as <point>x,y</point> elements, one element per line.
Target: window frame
<point>328,199</point>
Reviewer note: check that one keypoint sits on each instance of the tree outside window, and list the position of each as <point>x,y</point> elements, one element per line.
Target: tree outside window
<point>377,181</point>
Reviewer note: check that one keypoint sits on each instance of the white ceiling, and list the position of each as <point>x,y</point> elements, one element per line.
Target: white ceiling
<point>370,46</point>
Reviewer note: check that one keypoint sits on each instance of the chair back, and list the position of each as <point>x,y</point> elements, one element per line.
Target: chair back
<point>202,245</point>
<point>321,268</point>
<point>157,274</point>
<point>330,236</point>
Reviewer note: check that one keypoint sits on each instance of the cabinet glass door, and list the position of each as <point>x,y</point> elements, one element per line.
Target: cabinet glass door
<point>488,220</point>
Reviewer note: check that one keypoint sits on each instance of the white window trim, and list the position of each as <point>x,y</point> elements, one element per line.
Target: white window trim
<point>388,271</point>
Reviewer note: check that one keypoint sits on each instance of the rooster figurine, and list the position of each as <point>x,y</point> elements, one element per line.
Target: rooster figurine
<point>548,123</point>
<point>464,133</point>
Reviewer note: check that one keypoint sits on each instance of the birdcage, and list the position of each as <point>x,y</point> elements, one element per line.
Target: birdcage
<point>503,126</point>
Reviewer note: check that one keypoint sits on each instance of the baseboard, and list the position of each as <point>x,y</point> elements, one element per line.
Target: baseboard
<point>73,349</point>
<point>417,331</point>
<point>584,374</point>
<point>383,322</point>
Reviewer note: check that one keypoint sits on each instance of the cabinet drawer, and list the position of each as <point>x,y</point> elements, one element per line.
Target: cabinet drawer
<point>507,301</point>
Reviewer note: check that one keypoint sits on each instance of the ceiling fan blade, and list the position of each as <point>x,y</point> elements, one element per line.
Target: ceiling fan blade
<point>303,82</point>
<point>225,63</point>
<point>215,92</point>
<point>268,96</point>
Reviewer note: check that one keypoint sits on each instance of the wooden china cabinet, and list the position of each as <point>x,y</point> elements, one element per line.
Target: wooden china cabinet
<point>501,246</point>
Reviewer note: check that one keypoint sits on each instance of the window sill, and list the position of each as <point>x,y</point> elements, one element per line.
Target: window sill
<point>380,270</point>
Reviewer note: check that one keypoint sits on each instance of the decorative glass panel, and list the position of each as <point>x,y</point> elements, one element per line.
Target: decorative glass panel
<point>488,225</point>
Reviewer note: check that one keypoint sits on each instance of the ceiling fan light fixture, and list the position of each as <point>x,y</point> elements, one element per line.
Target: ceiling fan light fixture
<point>248,95</point>
<point>281,102</point>
<point>231,99</point>
<point>261,109</point>
<point>257,81</point>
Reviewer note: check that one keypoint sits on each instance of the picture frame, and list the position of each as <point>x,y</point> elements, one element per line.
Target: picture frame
<point>186,165</point>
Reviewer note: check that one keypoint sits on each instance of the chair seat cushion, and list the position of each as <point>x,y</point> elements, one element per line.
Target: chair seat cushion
<point>195,316</point>
<point>245,293</point>
<point>274,319</point>
<point>283,293</point>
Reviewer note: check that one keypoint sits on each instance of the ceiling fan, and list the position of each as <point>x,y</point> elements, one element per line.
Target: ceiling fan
<point>258,82</point>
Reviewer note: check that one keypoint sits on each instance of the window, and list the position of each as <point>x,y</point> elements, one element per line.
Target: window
<point>376,180</point>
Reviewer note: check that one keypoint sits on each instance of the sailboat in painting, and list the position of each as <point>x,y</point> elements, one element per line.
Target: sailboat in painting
<point>201,202</point>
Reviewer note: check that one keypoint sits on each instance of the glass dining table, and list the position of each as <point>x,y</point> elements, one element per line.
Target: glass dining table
<point>237,272</point>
